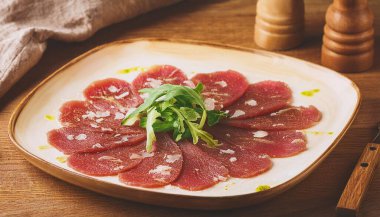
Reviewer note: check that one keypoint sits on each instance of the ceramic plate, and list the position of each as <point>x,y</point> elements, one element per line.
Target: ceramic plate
<point>338,100</point>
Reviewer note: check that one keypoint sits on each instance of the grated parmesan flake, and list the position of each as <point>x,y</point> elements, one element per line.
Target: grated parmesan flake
<point>260,134</point>
<point>99,120</point>
<point>113,89</point>
<point>161,170</point>
<point>219,178</point>
<point>227,151</point>
<point>238,113</point>
<point>123,139</point>
<point>282,111</point>
<point>126,93</point>
<point>94,125</point>
<point>118,168</point>
<point>106,129</point>
<point>119,116</point>
<point>81,137</point>
<point>110,158</point>
<point>297,141</point>
<point>154,83</point>
<point>173,158</point>
<point>209,103</point>
<point>103,114</point>
<point>251,102</point>
<point>89,115</point>
<point>263,156</point>
<point>70,137</point>
<point>233,159</point>
<point>97,145</point>
<point>221,83</point>
<point>147,154</point>
<point>135,156</point>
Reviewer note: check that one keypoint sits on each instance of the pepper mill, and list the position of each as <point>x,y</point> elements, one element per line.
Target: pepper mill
<point>279,24</point>
<point>348,41</point>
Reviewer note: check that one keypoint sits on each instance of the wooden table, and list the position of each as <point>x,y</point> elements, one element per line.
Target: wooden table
<point>27,191</point>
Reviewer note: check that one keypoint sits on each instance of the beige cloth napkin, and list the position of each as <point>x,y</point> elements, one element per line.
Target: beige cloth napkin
<point>25,25</point>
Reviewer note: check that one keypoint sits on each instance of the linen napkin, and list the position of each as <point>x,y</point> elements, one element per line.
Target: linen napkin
<point>25,26</point>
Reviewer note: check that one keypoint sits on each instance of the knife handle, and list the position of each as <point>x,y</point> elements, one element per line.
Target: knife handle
<point>358,183</point>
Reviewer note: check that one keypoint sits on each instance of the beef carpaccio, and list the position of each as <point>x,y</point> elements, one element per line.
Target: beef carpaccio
<point>261,124</point>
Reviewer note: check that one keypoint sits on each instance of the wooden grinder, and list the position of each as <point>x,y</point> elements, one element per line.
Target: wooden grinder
<point>348,41</point>
<point>279,24</point>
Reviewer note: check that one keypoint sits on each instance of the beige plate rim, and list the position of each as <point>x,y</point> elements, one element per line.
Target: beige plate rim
<point>196,202</point>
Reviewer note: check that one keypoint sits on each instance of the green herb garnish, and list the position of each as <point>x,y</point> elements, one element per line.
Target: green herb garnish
<point>177,109</point>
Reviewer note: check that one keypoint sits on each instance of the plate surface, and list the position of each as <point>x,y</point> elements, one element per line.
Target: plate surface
<point>338,99</point>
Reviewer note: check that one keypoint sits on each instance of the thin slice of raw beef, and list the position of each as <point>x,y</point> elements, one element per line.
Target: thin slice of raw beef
<point>159,75</point>
<point>199,170</point>
<point>291,118</point>
<point>106,163</point>
<point>261,98</point>
<point>114,90</point>
<point>101,116</point>
<point>221,88</point>
<point>158,168</point>
<point>240,162</point>
<point>77,139</point>
<point>259,142</point>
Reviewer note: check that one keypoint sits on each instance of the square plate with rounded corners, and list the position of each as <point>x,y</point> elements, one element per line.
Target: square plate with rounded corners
<point>338,100</point>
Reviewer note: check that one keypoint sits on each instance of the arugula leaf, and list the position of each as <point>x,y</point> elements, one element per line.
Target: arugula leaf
<point>177,109</point>
<point>189,113</point>
<point>214,116</point>
<point>150,136</point>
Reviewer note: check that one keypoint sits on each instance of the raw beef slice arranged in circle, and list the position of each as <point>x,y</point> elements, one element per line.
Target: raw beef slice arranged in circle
<point>107,163</point>
<point>158,168</point>
<point>259,142</point>
<point>222,88</point>
<point>159,75</point>
<point>261,98</point>
<point>100,116</point>
<point>199,170</point>
<point>240,162</point>
<point>76,139</point>
<point>98,145</point>
<point>114,90</point>
<point>291,118</point>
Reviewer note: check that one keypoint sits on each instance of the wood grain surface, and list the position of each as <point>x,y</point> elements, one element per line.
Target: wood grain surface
<point>27,191</point>
<point>354,192</point>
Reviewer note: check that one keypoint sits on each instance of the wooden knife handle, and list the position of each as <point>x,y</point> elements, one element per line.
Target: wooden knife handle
<point>358,183</point>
